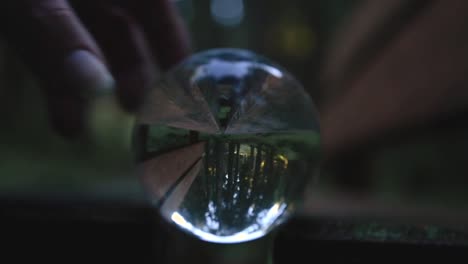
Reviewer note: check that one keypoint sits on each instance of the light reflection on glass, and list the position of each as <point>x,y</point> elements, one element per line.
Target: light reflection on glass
<point>254,231</point>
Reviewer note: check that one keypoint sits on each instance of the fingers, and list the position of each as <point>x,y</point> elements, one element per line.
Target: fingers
<point>131,61</point>
<point>164,30</point>
<point>69,64</point>
<point>125,48</point>
<point>133,35</point>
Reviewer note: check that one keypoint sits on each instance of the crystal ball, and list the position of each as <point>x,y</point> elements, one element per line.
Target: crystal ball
<point>226,143</point>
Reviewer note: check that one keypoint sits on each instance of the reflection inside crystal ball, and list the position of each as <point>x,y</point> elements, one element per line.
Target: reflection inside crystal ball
<point>226,143</point>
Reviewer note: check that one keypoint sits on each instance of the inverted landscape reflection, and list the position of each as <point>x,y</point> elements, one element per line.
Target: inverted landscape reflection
<point>226,144</point>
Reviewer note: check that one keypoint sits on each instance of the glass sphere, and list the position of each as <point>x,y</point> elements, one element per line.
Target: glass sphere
<point>226,143</point>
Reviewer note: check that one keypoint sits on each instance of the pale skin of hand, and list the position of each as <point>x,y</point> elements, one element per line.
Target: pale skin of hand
<point>78,48</point>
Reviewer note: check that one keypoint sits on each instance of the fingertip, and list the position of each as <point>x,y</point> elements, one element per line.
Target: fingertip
<point>87,73</point>
<point>84,77</point>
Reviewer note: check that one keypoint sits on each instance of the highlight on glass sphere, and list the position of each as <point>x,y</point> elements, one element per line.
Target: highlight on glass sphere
<point>226,143</point>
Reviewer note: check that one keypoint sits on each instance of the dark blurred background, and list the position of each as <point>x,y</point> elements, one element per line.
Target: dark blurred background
<point>390,82</point>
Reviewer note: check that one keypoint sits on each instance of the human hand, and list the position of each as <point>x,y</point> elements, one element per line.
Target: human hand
<point>81,48</point>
